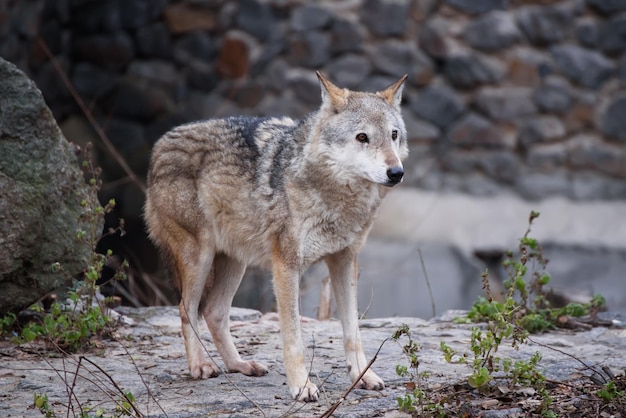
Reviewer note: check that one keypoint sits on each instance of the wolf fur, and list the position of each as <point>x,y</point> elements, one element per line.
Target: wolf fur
<point>278,193</point>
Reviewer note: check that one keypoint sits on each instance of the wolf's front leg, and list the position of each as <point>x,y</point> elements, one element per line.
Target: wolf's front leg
<point>342,267</point>
<point>286,287</point>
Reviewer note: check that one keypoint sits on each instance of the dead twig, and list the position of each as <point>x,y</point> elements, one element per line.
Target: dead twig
<point>92,120</point>
<point>332,409</point>
<point>430,290</point>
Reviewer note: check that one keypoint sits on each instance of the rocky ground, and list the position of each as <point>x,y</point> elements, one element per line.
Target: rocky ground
<point>147,359</point>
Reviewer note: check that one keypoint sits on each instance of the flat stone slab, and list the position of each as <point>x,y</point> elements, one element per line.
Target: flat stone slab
<point>148,360</point>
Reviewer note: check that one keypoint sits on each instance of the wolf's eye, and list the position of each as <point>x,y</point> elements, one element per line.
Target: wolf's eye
<point>394,134</point>
<point>362,137</point>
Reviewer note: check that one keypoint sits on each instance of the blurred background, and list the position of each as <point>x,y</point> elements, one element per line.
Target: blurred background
<point>510,106</point>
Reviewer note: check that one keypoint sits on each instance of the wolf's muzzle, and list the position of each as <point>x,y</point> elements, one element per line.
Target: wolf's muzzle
<point>395,174</point>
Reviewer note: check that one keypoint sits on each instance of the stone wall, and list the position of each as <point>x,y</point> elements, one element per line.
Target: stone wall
<point>527,96</point>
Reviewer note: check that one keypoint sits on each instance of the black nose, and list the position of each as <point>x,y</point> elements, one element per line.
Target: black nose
<point>395,174</point>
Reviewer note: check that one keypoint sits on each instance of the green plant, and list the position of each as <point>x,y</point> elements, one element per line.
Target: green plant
<point>416,401</point>
<point>525,302</point>
<point>609,393</point>
<point>41,403</point>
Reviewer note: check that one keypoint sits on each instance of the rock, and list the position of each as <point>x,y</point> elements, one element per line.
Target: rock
<point>132,99</point>
<point>305,86</point>
<point>500,165</point>
<point>590,152</point>
<point>184,17</point>
<point>544,25</point>
<point>92,82</point>
<point>195,46</point>
<point>474,130</point>
<point>385,17</point>
<point>419,130</point>
<point>309,49</point>
<point>478,6</point>
<point>468,70</point>
<point>256,18</point>
<point>537,185</point>
<point>505,103</point>
<point>527,67</point>
<point>397,58</point>
<point>613,122</point>
<point>492,32</point>
<point>308,17</point>
<point>233,60</point>
<point>546,157</point>
<point>349,70</point>
<point>612,37</point>
<point>554,95</point>
<point>436,37</point>
<point>42,188</point>
<point>588,33</point>
<point>541,129</point>
<point>345,37</point>
<point>154,41</point>
<point>112,52</point>
<point>159,71</point>
<point>607,7</point>
<point>585,67</point>
<point>439,105</point>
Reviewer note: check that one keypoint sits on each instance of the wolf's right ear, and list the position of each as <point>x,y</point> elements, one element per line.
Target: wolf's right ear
<point>393,93</point>
<point>333,97</point>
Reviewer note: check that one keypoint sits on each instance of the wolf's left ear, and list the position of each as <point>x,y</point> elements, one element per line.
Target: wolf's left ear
<point>393,93</point>
<point>332,96</point>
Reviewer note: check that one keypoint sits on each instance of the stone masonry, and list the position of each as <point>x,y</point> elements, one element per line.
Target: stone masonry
<point>526,96</point>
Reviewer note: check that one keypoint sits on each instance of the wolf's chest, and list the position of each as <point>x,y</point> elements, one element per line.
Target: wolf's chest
<point>327,233</point>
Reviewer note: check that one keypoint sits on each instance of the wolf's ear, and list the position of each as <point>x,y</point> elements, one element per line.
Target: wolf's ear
<point>393,93</point>
<point>332,96</point>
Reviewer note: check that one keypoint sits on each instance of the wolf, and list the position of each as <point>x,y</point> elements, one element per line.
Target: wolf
<point>281,194</point>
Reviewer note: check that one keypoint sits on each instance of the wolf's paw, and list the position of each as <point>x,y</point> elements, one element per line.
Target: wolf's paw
<point>204,370</point>
<point>249,368</point>
<point>371,381</point>
<point>308,393</point>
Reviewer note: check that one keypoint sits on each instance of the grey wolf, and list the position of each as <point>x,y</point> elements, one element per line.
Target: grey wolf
<point>278,193</point>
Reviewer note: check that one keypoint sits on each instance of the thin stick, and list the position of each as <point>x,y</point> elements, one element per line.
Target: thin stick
<point>130,402</point>
<point>430,290</point>
<point>332,409</point>
<point>92,120</point>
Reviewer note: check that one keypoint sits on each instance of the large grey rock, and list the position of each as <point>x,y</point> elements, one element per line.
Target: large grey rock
<point>585,67</point>
<point>554,95</point>
<point>607,7</point>
<point>467,70</point>
<point>613,123</point>
<point>41,188</point>
<point>309,16</point>
<point>505,103</point>
<point>541,129</point>
<point>478,6</point>
<point>385,17</point>
<point>492,32</point>
<point>396,58</point>
<point>439,105</point>
<point>473,130</point>
<point>544,25</point>
<point>612,38</point>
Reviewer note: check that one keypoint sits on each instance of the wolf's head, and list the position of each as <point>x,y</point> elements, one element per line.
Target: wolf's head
<point>363,134</point>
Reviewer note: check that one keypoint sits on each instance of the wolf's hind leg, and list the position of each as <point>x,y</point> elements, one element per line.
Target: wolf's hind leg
<point>228,273</point>
<point>194,267</point>
<point>343,275</point>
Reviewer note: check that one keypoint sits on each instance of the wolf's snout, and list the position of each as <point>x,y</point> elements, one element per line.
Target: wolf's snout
<point>395,174</point>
